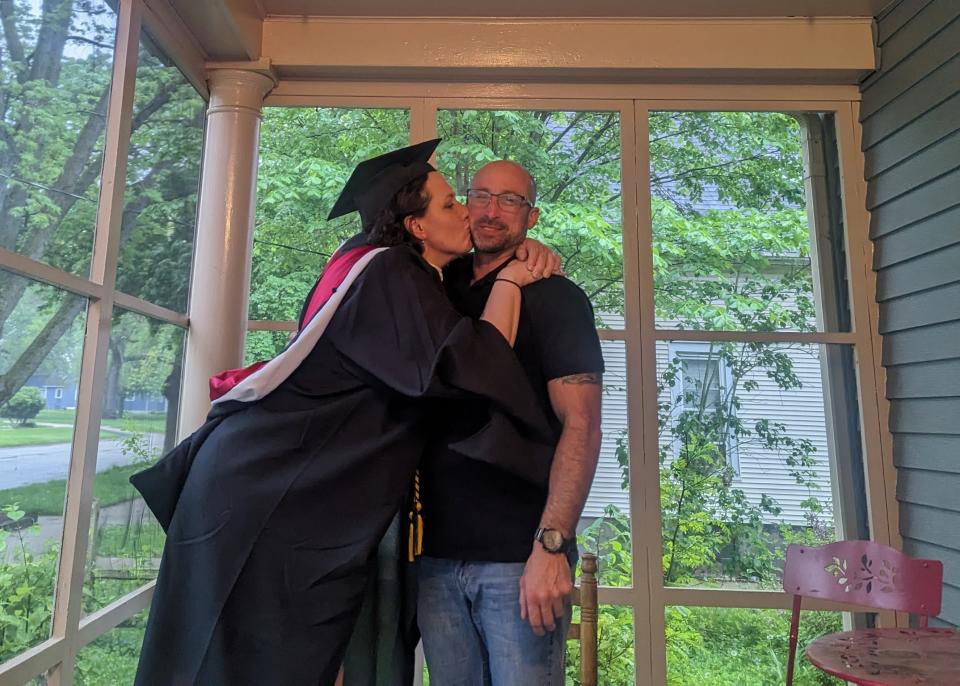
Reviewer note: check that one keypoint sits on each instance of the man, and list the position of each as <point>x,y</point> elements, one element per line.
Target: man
<point>496,576</point>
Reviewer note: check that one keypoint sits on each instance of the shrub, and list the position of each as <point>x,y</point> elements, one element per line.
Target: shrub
<point>23,406</point>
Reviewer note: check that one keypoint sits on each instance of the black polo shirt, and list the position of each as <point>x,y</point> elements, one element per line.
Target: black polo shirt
<point>473,510</point>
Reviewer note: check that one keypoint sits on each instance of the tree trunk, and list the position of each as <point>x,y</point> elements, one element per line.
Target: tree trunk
<point>171,391</point>
<point>79,172</point>
<point>52,39</point>
<point>113,391</point>
<point>40,347</point>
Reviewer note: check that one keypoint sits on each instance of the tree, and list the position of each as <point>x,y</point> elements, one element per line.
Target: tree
<point>54,86</point>
<point>23,406</point>
<point>306,155</point>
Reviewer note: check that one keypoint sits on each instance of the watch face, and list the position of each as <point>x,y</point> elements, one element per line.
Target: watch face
<point>552,540</point>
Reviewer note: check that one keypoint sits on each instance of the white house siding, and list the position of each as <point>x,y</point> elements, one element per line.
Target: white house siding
<point>802,412</point>
<point>606,484</point>
<point>761,471</point>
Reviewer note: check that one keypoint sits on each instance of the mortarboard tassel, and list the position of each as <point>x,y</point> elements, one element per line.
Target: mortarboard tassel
<point>415,538</point>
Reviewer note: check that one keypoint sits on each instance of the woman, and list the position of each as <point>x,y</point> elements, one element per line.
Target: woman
<point>275,506</point>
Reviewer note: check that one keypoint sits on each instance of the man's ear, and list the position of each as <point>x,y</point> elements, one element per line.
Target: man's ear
<point>413,226</point>
<point>532,217</point>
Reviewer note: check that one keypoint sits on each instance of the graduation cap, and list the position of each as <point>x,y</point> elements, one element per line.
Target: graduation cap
<point>375,181</point>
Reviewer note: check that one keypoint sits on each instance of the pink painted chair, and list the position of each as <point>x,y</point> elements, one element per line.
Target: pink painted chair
<point>861,573</point>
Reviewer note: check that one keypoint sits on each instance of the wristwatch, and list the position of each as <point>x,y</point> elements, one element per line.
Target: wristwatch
<point>552,540</point>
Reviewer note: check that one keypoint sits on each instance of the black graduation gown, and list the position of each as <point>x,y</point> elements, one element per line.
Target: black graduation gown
<point>274,509</point>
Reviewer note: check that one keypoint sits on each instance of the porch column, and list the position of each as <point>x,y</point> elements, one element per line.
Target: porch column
<point>219,290</point>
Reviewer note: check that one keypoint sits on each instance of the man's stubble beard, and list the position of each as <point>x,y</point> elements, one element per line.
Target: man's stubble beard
<point>507,241</point>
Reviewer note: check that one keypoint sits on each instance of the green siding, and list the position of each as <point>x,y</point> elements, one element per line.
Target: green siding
<point>911,138</point>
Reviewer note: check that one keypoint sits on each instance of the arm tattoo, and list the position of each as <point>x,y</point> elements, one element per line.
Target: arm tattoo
<point>592,378</point>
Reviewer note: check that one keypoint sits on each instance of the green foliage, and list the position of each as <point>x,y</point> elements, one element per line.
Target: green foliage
<point>26,587</point>
<point>575,159</point>
<point>614,648</point>
<point>23,406</point>
<point>609,539</point>
<point>111,486</point>
<point>111,660</point>
<point>306,155</point>
<point>144,422</point>
<point>727,646</point>
<point>122,557</point>
<point>54,88</point>
<point>734,647</point>
<point>17,435</point>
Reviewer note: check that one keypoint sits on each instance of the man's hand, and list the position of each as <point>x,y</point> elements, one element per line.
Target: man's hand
<point>538,258</point>
<point>544,589</point>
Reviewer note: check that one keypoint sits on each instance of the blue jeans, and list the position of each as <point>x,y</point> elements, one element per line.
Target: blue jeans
<point>469,616</point>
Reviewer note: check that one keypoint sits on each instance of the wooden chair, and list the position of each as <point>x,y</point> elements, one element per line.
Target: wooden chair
<point>585,632</point>
<point>861,573</point>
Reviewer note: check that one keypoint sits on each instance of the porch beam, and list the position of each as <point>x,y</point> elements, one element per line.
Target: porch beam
<point>791,49</point>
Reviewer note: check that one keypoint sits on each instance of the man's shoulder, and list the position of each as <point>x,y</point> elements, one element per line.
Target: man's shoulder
<point>557,291</point>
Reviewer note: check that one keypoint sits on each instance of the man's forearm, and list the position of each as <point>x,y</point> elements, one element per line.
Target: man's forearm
<point>571,475</point>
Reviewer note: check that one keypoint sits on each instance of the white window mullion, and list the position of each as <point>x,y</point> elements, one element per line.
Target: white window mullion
<point>650,648</point>
<point>423,120</point>
<point>45,273</point>
<point>39,659</point>
<point>93,371</point>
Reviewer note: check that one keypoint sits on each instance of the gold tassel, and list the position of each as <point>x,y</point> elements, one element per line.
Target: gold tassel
<point>410,546</point>
<point>415,538</point>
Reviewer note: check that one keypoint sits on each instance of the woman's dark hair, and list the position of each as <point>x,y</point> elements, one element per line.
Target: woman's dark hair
<point>387,228</point>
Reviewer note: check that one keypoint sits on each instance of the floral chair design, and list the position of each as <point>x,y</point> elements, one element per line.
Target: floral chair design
<point>861,573</point>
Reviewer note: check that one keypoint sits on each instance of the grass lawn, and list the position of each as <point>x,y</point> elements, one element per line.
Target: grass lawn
<point>111,487</point>
<point>12,436</point>
<point>146,422</point>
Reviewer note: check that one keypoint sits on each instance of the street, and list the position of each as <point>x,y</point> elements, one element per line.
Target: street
<point>39,463</point>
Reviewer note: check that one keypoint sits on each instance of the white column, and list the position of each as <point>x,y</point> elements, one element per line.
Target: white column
<point>220,287</point>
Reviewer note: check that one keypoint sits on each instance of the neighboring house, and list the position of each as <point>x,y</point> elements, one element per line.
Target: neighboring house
<point>758,472</point>
<point>145,402</point>
<point>59,393</point>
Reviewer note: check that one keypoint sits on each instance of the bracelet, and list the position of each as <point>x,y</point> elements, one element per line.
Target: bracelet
<point>501,278</point>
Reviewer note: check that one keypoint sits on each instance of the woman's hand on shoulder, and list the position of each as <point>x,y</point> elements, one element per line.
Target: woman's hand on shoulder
<point>519,273</point>
<point>540,260</point>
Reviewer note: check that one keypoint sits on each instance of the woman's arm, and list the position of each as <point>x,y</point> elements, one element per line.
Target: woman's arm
<point>503,305</point>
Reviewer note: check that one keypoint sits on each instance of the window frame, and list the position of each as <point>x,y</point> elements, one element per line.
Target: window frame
<point>700,351</point>
<point>71,631</point>
<point>640,334</point>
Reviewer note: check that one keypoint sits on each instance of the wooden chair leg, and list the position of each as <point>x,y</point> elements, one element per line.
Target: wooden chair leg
<point>588,620</point>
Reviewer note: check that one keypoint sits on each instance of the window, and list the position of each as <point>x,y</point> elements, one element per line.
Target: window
<point>298,181</point>
<point>701,397</point>
<point>63,242</point>
<point>722,300</point>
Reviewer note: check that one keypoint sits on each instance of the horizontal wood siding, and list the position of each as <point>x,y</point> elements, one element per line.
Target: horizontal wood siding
<point>911,139</point>
<point>607,482</point>
<point>931,234</point>
<point>801,411</point>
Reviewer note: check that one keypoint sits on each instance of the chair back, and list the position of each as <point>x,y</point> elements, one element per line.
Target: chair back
<point>585,632</point>
<point>860,573</point>
<point>865,573</point>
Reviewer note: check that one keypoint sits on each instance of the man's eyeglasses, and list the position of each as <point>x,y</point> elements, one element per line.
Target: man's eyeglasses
<point>509,202</point>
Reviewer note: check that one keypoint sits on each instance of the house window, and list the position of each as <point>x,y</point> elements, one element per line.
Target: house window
<point>703,409</point>
<point>58,393</point>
